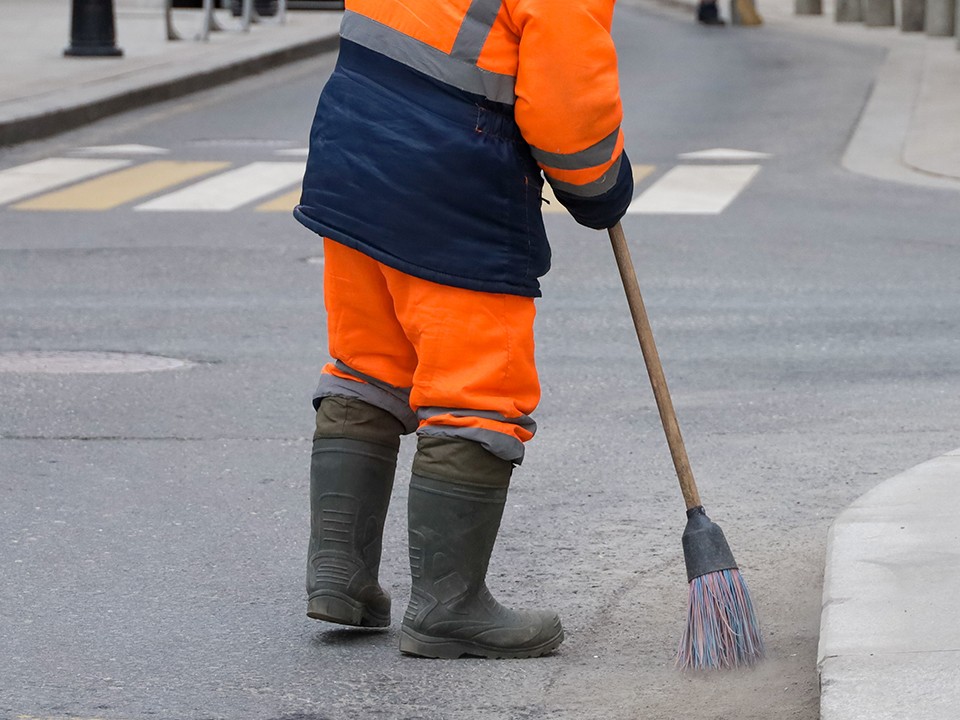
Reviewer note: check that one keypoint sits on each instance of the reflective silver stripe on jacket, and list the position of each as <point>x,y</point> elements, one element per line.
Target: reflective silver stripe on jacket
<point>456,71</point>
<point>596,154</point>
<point>477,24</point>
<point>597,187</point>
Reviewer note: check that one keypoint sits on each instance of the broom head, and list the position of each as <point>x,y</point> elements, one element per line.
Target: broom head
<point>722,629</point>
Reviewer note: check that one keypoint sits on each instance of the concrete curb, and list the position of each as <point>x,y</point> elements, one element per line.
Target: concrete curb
<point>907,132</point>
<point>901,138</point>
<point>890,624</point>
<point>39,123</point>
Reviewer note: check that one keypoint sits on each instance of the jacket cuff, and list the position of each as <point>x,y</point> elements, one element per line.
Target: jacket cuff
<point>605,210</point>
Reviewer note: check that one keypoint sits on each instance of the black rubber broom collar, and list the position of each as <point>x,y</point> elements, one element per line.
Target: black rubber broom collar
<point>705,549</point>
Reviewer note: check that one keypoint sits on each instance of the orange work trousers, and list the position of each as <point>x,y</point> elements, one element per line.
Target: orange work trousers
<point>447,362</point>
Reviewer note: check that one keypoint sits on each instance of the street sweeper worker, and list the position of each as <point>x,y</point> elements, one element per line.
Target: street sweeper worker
<point>424,179</point>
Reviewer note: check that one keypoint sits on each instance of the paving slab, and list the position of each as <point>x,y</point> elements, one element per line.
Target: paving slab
<point>933,143</point>
<point>918,687</point>
<point>889,636</point>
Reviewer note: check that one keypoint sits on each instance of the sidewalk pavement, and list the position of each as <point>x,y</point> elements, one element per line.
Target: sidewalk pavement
<point>43,93</point>
<point>910,129</point>
<point>889,630</point>
<point>890,636</point>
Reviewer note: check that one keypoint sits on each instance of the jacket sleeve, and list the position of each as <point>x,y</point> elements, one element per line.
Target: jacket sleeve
<point>568,105</point>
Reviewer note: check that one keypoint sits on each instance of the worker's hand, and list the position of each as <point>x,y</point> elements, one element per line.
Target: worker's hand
<point>602,211</point>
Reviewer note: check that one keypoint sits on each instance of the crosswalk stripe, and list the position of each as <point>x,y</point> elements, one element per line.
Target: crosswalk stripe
<point>285,203</point>
<point>131,149</point>
<point>88,184</point>
<point>695,190</point>
<point>724,154</point>
<point>640,173</point>
<point>123,186</point>
<point>33,178</point>
<point>232,189</point>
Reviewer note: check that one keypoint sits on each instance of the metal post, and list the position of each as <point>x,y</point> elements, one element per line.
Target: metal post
<point>247,15</point>
<point>172,33</point>
<point>209,23</point>
<point>92,30</point>
<point>214,25</point>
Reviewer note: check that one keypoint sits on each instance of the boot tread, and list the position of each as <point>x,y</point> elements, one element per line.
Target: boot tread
<point>343,610</point>
<point>420,645</point>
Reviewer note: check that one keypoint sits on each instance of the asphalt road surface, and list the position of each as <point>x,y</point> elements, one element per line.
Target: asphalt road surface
<point>153,524</point>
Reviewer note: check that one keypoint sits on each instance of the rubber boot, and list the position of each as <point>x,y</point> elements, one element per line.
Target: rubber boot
<point>457,495</point>
<point>351,477</point>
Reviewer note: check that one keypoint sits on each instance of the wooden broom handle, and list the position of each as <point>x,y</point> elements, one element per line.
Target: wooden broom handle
<point>668,417</point>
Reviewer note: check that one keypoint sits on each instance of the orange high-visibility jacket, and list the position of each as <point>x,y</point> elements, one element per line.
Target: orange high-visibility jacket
<point>429,138</point>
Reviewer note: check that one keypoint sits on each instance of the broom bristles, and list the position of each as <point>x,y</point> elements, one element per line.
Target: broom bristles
<point>722,629</point>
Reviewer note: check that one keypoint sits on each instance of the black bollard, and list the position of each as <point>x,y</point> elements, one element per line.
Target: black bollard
<point>92,31</point>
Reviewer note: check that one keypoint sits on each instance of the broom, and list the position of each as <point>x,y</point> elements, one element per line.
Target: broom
<point>722,629</point>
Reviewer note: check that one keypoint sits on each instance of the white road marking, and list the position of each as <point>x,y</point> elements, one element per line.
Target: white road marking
<point>694,190</point>
<point>685,189</point>
<point>293,152</point>
<point>724,154</point>
<point>121,150</point>
<point>130,184</point>
<point>552,205</point>
<point>37,177</point>
<point>230,190</point>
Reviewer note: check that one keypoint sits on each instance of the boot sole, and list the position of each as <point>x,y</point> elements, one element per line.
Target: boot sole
<point>344,611</point>
<point>413,643</point>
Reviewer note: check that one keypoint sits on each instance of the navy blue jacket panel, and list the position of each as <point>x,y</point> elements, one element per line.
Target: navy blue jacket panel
<point>424,177</point>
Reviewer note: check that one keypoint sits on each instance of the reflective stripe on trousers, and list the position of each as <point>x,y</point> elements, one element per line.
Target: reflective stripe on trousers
<point>447,361</point>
